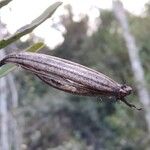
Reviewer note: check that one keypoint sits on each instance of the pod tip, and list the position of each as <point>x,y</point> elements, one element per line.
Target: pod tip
<point>130,105</point>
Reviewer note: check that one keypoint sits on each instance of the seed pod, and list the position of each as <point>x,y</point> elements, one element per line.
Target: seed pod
<point>69,76</point>
<point>68,86</point>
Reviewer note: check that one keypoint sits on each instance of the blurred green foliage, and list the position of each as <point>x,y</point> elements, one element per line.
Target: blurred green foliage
<point>55,120</point>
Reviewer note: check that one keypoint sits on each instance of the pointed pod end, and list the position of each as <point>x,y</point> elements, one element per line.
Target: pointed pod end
<point>130,105</point>
<point>139,109</point>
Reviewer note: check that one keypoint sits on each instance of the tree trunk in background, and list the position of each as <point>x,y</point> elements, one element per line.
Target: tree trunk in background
<point>4,144</point>
<point>9,133</point>
<point>134,59</point>
<point>4,114</point>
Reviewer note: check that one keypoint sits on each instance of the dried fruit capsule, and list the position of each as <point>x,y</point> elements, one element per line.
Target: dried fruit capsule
<point>69,76</point>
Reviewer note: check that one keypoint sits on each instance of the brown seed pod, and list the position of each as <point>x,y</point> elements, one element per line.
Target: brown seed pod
<point>69,76</point>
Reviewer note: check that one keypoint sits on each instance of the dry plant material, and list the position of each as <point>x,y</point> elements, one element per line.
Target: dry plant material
<point>69,76</point>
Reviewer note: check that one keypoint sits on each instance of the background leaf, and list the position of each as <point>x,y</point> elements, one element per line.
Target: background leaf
<point>4,70</point>
<point>4,2</point>
<point>30,27</point>
<point>35,47</point>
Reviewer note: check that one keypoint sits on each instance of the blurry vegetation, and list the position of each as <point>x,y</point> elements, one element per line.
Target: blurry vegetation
<point>56,120</point>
